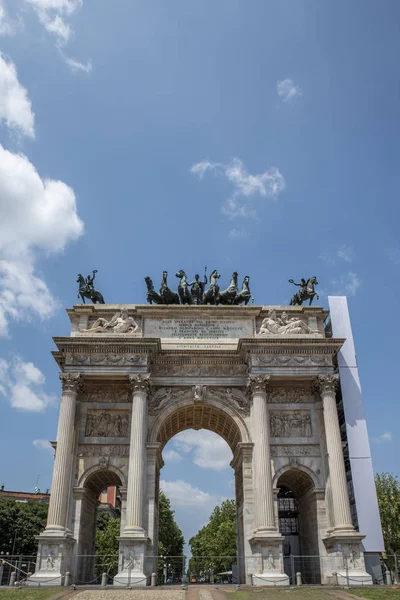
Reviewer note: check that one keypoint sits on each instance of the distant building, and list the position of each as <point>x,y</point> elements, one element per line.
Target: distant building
<point>37,496</point>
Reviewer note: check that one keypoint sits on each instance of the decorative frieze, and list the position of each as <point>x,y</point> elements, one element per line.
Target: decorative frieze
<point>105,393</point>
<point>107,423</point>
<point>197,369</point>
<point>296,450</point>
<point>290,423</point>
<point>287,360</point>
<point>289,395</point>
<point>103,450</point>
<point>108,358</point>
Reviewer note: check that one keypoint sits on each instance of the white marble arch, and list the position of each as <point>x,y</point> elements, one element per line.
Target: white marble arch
<point>232,414</point>
<point>297,467</point>
<point>88,473</point>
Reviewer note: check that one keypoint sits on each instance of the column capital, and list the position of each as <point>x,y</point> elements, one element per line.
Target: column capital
<point>258,383</point>
<point>71,382</point>
<point>326,383</point>
<point>139,383</point>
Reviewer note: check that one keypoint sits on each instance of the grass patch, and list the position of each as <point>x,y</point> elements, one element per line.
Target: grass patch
<point>279,594</point>
<point>376,594</point>
<point>30,594</point>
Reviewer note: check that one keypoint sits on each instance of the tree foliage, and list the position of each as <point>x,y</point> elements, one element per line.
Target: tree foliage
<point>216,541</point>
<point>107,532</point>
<point>388,492</point>
<point>20,523</point>
<point>170,537</point>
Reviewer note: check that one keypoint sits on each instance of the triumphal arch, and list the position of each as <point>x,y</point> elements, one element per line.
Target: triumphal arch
<point>263,378</point>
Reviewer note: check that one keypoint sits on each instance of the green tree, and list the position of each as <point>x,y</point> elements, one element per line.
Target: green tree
<point>107,532</point>
<point>20,523</point>
<point>215,543</point>
<point>388,492</point>
<point>170,537</point>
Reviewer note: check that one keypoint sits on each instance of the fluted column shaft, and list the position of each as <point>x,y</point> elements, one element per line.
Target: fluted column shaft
<point>339,491</point>
<point>137,456</point>
<point>264,497</point>
<point>57,516</point>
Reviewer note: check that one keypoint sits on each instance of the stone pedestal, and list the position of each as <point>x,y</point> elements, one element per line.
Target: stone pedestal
<point>131,563</point>
<point>347,559</point>
<point>53,561</point>
<point>267,551</point>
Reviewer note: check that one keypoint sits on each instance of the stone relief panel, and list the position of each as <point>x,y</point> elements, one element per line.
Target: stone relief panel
<point>164,396</point>
<point>283,360</point>
<point>293,450</point>
<point>105,393</point>
<point>270,559</point>
<point>231,397</point>
<point>107,423</point>
<point>49,558</point>
<point>290,423</point>
<point>100,450</point>
<point>131,561</point>
<point>290,395</point>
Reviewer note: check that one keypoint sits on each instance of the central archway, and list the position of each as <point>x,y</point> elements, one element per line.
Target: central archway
<point>229,424</point>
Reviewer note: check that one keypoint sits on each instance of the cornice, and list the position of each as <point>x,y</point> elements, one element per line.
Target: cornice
<point>107,344</point>
<point>282,345</point>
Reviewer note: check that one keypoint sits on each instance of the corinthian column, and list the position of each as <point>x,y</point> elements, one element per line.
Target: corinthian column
<point>57,517</point>
<point>140,386</point>
<point>264,497</point>
<point>327,385</point>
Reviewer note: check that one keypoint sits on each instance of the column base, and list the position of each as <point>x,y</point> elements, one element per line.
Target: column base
<point>347,558</point>
<point>53,559</point>
<point>267,552</point>
<point>131,562</point>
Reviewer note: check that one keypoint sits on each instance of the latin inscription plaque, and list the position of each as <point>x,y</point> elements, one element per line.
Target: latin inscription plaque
<point>198,329</point>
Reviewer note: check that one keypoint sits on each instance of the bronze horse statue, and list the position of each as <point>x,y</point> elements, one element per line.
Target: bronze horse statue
<point>86,289</point>
<point>183,289</point>
<point>228,296</point>
<point>306,291</point>
<point>167,296</point>
<point>244,295</point>
<point>211,295</point>
<point>152,295</point>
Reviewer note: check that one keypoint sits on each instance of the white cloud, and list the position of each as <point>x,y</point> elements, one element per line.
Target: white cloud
<point>345,253</point>
<point>75,65</point>
<point>327,259</point>
<point>53,15</point>
<point>210,451</point>
<point>15,107</point>
<point>22,384</point>
<point>394,255</point>
<point>6,25</point>
<point>287,90</point>
<point>172,456</point>
<point>383,438</point>
<point>270,184</point>
<point>347,285</point>
<point>35,215</point>
<point>43,445</point>
<point>237,234</point>
<point>183,494</point>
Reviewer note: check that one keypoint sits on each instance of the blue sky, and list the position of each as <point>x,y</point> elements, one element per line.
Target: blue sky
<point>260,137</point>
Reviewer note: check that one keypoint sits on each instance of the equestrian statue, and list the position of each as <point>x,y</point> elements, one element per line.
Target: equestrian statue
<point>86,289</point>
<point>306,291</point>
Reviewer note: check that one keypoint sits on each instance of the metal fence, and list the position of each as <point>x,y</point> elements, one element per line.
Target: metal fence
<point>177,570</point>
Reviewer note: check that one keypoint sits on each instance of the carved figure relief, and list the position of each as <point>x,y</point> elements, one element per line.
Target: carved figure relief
<point>290,423</point>
<point>198,370</point>
<point>294,395</point>
<point>131,562</point>
<point>231,397</point>
<point>199,393</point>
<point>164,396</point>
<point>353,558</point>
<point>108,358</point>
<point>49,562</point>
<point>105,423</point>
<point>268,559</point>
<point>274,325</point>
<point>121,322</point>
<point>100,450</point>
